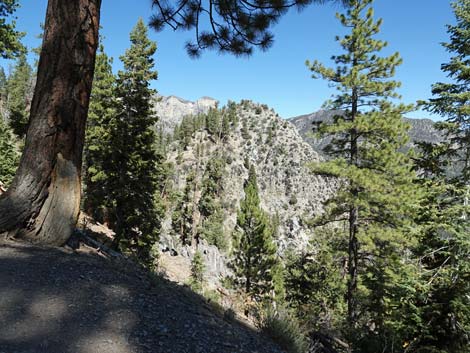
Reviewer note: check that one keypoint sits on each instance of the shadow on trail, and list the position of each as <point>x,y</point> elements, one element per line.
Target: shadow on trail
<point>55,302</point>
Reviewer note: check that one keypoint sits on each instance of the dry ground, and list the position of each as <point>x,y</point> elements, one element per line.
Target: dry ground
<point>62,301</point>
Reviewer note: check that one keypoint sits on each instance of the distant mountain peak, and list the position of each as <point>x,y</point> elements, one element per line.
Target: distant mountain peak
<point>421,129</point>
<point>207,98</point>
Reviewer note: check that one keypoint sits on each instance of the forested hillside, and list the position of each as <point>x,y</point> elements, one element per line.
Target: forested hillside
<point>210,157</point>
<point>352,240</point>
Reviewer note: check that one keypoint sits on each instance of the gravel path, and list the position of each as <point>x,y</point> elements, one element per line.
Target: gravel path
<point>58,301</point>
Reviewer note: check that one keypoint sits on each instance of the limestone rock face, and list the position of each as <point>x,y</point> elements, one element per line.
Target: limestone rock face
<point>289,192</point>
<point>172,109</point>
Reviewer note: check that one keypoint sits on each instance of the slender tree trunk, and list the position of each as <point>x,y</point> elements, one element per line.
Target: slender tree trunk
<point>353,225</point>
<point>248,279</point>
<point>352,267</point>
<point>42,204</point>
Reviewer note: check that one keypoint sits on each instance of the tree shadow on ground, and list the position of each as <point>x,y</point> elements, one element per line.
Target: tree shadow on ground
<point>58,302</point>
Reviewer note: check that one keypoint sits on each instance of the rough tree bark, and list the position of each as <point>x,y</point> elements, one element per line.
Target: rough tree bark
<point>42,204</point>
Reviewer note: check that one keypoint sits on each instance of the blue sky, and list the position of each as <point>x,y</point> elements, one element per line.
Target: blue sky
<point>279,76</point>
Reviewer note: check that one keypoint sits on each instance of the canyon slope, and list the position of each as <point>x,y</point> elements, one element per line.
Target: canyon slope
<point>289,192</point>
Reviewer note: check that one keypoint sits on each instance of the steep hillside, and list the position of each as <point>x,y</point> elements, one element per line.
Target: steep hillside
<point>257,136</point>
<point>421,129</point>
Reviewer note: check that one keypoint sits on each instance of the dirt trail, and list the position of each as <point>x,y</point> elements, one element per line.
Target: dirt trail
<point>58,301</point>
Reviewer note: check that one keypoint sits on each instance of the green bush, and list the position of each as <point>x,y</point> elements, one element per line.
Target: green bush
<point>213,300</point>
<point>284,329</point>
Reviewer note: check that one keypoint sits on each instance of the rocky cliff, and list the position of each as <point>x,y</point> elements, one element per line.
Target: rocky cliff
<point>172,109</point>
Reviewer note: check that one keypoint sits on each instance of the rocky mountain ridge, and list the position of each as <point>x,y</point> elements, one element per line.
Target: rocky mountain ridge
<point>172,109</point>
<point>420,129</point>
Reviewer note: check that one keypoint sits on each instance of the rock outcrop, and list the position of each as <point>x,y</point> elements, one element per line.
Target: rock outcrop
<point>172,109</point>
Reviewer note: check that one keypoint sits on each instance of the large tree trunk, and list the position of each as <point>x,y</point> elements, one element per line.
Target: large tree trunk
<point>42,204</point>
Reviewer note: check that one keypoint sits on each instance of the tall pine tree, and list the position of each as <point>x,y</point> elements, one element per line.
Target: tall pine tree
<point>98,149</point>
<point>375,197</point>
<point>452,100</point>
<point>197,280</point>
<point>445,243</point>
<point>256,264</point>
<point>20,96</point>
<point>10,43</point>
<point>133,175</point>
<point>444,253</point>
<point>182,217</point>
<point>212,214</point>
<point>3,93</point>
<point>3,84</point>
<point>9,156</point>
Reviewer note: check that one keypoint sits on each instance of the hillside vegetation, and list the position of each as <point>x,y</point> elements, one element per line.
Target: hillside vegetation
<point>352,240</point>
